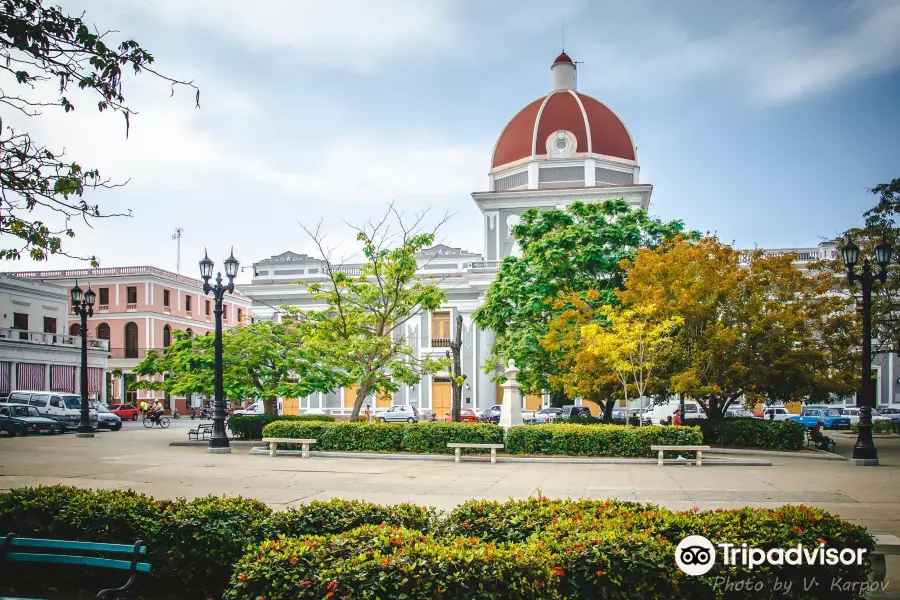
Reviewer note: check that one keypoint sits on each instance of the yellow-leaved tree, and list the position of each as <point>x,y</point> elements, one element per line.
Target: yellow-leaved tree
<point>631,345</point>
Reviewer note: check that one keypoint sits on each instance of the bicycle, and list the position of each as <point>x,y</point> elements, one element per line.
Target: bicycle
<point>163,422</point>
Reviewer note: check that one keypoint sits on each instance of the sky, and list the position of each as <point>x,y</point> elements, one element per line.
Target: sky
<point>761,121</point>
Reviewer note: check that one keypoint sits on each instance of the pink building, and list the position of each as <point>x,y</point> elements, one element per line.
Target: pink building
<point>138,309</point>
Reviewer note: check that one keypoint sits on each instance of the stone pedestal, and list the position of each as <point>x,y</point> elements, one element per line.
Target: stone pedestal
<point>511,407</point>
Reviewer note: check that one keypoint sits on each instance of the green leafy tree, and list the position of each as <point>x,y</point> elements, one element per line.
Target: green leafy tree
<point>766,331</point>
<point>576,250</point>
<point>263,360</point>
<point>361,326</point>
<point>40,43</point>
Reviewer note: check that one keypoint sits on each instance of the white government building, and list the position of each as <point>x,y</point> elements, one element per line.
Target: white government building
<point>561,148</point>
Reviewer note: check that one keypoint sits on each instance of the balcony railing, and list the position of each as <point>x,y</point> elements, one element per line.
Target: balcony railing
<point>126,353</point>
<point>801,255</point>
<point>50,339</point>
<point>440,342</point>
<point>484,265</point>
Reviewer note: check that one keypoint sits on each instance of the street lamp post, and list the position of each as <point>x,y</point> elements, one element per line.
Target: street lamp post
<point>218,441</point>
<point>83,306</point>
<point>864,452</point>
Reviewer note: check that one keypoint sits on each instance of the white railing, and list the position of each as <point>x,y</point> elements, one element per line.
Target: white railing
<point>351,271</point>
<point>50,339</point>
<point>116,271</point>
<point>801,255</point>
<point>483,265</point>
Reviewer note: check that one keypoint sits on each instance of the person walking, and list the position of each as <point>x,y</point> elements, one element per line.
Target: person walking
<point>368,414</point>
<point>676,418</point>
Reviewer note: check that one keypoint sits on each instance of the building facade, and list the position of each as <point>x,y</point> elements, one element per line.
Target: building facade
<point>36,350</point>
<point>563,147</point>
<point>139,309</point>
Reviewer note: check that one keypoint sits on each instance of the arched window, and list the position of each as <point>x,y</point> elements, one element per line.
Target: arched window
<point>167,336</point>
<point>75,329</point>
<point>131,340</point>
<point>103,331</point>
<point>189,332</point>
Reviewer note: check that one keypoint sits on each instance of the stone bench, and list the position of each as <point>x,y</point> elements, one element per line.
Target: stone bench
<point>459,446</point>
<point>273,444</point>
<point>698,449</point>
<point>884,545</point>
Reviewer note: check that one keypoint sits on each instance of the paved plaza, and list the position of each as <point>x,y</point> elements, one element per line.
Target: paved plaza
<point>142,460</point>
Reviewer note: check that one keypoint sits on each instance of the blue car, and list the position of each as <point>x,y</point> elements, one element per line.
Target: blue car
<point>831,418</point>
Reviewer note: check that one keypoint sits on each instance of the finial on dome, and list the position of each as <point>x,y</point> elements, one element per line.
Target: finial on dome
<point>563,70</point>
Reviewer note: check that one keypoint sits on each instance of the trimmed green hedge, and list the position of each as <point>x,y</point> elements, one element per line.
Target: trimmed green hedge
<point>596,440</point>
<point>250,427</point>
<point>535,548</point>
<point>747,432</point>
<point>194,542</point>
<point>387,437</point>
<point>881,427</point>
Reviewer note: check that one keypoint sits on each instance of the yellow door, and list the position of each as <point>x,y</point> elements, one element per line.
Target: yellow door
<point>440,397</point>
<point>793,407</point>
<point>593,406</point>
<point>533,402</point>
<point>350,397</point>
<point>383,400</point>
<point>499,394</point>
<point>290,406</point>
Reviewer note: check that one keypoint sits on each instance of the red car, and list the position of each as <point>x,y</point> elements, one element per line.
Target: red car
<point>466,415</point>
<point>125,411</point>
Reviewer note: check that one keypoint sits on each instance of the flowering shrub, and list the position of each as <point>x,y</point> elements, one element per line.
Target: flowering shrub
<point>536,548</point>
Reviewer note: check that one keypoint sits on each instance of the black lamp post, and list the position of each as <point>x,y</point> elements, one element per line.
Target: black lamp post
<point>83,305</point>
<point>864,452</point>
<point>218,441</point>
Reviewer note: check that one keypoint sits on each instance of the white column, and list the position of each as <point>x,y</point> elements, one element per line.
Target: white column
<point>77,379</point>
<point>47,378</point>
<point>590,172</point>
<point>533,175</point>
<point>511,408</point>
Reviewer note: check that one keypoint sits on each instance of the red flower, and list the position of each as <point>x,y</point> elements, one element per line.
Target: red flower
<point>557,571</point>
<point>242,577</point>
<point>821,541</point>
<point>600,573</point>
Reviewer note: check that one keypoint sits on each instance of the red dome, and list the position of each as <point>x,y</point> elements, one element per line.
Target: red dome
<point>563,58</point>
<point>596,128</point>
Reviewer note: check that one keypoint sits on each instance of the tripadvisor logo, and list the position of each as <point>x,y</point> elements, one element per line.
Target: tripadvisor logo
<point>696,555</point>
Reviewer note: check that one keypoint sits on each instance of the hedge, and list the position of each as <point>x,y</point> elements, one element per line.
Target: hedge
<point>250,427</point>
<point>387,437</point>
<point>748,432</point>
<point>596,440</point>
<point>881,427</point>
<point>535,548</point>
<point>194,542</point>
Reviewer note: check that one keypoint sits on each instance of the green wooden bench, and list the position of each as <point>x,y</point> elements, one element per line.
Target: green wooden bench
<point>62,552</point>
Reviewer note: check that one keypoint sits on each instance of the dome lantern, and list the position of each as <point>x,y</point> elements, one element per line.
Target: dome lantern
<point>563,70</point>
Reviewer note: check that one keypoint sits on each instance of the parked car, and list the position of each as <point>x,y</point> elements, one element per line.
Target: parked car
<point>547,415</point>
<point>65,408</point>
<point>830,418</point>
<point>257,408</point>
<point>663,413</point>
<point>740,413</point>
<point>529,416</point>
<point>491,415</point>
<point>619,416</point>
<point>574,411</point>
<point>125,411</point>
<point>852,413</point>
<point>466,415</point>
<point>775,413</point>
<point>22,419</point>
<point>635,414</point>
<point>890,412</point>
<point>106,419</point>
<point>403,412</point>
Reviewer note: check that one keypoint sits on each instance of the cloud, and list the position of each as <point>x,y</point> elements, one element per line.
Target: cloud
<point>770,56</point>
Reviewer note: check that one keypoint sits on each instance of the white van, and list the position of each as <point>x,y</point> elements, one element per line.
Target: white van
<point>660,412</point>
<point>65,408</point>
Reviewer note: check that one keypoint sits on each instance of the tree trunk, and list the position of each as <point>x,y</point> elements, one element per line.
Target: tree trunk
<point>269,406</point>
<point>362,393</point>
<point>608,407</point>
<point>456,375</point>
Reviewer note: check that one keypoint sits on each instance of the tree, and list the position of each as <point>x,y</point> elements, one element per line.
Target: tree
<point>563,251</point>
<point>767,331</point>
<point>631,345</point>
<point>457,379</point>
<point>263,360</point>
<point>38,44</point>
<point>580,374</point>
<point>880,223</point>
<point>362,324</point>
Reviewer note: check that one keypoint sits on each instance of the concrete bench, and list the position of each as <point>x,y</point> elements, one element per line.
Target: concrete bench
<point>884,545</point>
<point>698,449</point>
<point>273,444</point>
<point>459,446</point>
